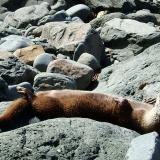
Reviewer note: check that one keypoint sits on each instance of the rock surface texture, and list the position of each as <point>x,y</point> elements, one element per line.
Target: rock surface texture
<point>138,77</point>
<point>66,139</point>
<point>106,46</point>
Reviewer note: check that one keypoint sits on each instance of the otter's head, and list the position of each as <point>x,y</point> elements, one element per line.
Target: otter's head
<point>26,93</point>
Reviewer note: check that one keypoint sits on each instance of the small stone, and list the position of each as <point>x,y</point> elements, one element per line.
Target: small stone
<point>41,62</point>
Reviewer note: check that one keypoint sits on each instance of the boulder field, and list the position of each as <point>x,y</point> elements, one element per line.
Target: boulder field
<point>106,46</point>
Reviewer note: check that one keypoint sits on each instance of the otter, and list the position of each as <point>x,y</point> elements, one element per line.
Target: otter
<point>138,116</point>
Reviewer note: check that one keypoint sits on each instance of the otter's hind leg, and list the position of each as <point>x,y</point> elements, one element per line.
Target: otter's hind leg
<point>26,93</point>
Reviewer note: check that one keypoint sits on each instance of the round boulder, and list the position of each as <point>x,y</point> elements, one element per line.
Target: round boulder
<point>81,73</point>
<point>80,10</point>
<point>90,61</point>
<point>41,62</point>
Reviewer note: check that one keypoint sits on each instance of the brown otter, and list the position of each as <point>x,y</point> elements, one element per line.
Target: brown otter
<point>141,117</point>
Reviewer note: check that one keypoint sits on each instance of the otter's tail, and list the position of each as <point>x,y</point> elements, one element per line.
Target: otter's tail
<point>13,112</point>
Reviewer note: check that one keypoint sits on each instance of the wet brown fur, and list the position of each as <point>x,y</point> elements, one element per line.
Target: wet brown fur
<point>75,103</point>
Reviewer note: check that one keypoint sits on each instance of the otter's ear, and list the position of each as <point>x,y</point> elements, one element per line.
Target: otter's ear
<point>157,104</point>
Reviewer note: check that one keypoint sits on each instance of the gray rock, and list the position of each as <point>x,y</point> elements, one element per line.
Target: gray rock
<point>82,11</point>
<point>14,42</point>
<point>81,73</point>
<point>113,37</point>
<point>50,81</point>
<point>3,15</point>
<point>73,138</point>
<point>13,71</point>
<point>12,92</point>
<point>145,147</point>
<point>67,38</point>
<point>122,24</point>
<point>4,32</point>
<point>3,89</point>
<point>90,61</point>
<point>58,16</point>
<point>157,18</point>
<point>138,77</point>
<point>99,22</point>
<point>3,10</point>
<point>27,15</point>
<point>41,62</point>
<point>126,39</point>
<point>33,2</point>
<point>153,6</point>
<point>143,16</point>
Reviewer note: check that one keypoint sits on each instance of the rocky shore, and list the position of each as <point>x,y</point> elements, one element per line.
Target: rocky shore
<point>111,47</point>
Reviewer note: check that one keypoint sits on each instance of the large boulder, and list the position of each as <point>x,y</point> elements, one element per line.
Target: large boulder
<point>81,73</point>
<point>125,38</point>
<point>74,39</point>
<point>50,81</point>
<point>137,77</point>
<point>27,15</point>
<point>72,138</point>
<point>13,71</point>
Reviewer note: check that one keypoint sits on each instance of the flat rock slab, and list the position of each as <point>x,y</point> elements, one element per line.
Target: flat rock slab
<point>64,138</point>
<point>131,26</point>
<point>138,77</point>
<point>146,147</point>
